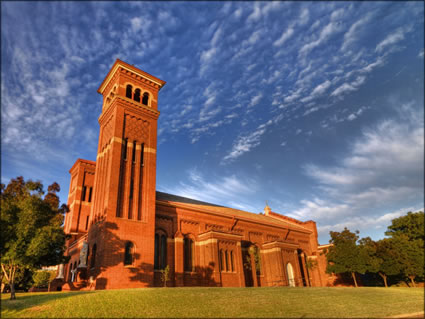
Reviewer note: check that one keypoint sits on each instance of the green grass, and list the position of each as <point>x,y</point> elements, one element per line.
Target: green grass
<point>218,302</point>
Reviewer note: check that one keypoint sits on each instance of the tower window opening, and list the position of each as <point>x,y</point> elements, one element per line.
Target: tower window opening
<point>129,91</point>
<point>141,154</point>
<point>131,188</point>
<point>145,100</point>
<point>137,95</point>
<point>83,195</point>
<point>90,193</point>
<point>87,222</point>
<point>128,254</point>
<point>134,152</point>
<point>231,261</point>
<point>124,151</point>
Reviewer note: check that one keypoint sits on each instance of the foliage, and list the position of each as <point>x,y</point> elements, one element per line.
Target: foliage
<point>410,225</point>
<point>185,302</point>
<point>344,255</point>
<point>165,275</point>
<point>42,278</point>
<point>407,237</point>
<point>32,235</point>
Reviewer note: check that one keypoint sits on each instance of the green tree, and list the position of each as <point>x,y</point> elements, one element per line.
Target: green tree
<point>42,278</point>
<point>390,259</point>
<point>345,256</point>
<point>165,275</point>
<point>32,233</point>
<point>407,236</point>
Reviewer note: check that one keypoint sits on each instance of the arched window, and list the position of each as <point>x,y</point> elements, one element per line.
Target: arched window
<point>145,100</point>
<point>93,256</point>
<point>129,91</point>
<point>227,260</point>
<point>128,255</point>
<point>188,254</point>
<point>70,272</point>
<point>290,274</point>
<point>156,253</point>
<point>137,95</point>
<point>160,261</point>
<point>231,261</point>
<point>221,259</point>
<point>163,255</point>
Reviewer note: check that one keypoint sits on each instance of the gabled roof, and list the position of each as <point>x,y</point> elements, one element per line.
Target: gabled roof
<point>193,204</point>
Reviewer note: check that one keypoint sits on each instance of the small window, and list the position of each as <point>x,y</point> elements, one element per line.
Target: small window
<point>129,91</point>
<point>128,255</point>
<point>227,260</point>
<point>87,222</point>
<point>145,99</point>
<point>137,95</point>
<point>83,194</point>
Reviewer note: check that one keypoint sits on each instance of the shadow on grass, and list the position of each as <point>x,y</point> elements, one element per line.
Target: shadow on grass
<point>31,300</point>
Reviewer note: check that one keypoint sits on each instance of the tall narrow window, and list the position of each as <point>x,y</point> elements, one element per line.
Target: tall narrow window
<point>87,222</point>
<point>156,253</point>
<point>231,261</point>
<point>83,194</point>
<point>124,151</point>
<point>163,258</point>
<point>128,255</point>
<point>90,192</point>
<point>221,260</point>
<point>70,272</point>
<point>227,260</point>
<point>134,152</point>
<point>93,256</point>
<point>74,277</point>
<point>128,91</point>
<point>141,154</point>
<point>145,100</point>
<point>87,256</point>
<point>188,254</point>
<point>137,95</point>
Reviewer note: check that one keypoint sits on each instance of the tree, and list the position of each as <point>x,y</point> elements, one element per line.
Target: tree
<point>390,259</point>
<point>32,235</point>
<point>42,278</point>
<point>165,275</point>
<point>345,255</point>
<point>407,236</point>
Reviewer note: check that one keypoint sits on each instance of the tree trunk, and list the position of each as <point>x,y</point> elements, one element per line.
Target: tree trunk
<point>353,274</point>
<point>412,279</point>
<point>384,277</point>
<point>12,289</point>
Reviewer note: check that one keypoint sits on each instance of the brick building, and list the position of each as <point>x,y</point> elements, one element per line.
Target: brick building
<point>123,232</point>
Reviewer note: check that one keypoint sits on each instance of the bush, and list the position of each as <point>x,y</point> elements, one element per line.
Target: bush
<point>43,278</point>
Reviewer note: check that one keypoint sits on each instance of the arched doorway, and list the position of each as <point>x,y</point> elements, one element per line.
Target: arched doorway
<point>290,273</point>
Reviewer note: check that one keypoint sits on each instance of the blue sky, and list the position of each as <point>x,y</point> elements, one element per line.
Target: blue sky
<point>316,108</point>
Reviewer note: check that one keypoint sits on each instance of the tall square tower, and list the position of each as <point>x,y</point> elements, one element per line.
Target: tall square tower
<point>122,218</point>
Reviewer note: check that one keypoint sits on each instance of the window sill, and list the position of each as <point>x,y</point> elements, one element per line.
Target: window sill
<point>130,266</point>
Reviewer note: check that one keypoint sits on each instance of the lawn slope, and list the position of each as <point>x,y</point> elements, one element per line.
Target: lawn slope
<point>218,302</point>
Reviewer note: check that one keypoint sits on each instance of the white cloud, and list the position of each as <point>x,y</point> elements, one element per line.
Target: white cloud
<point>326,32</point>
<point>384,168</point>
<point>393,38</point>
<point>256,99</point>
<point>351,35</point>
<point>421,54</point>
<point>349,87</point>
<point>285,36</point>
<point>224,190</point>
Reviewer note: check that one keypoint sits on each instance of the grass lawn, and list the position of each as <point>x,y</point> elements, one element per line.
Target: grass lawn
<point>218,302</point>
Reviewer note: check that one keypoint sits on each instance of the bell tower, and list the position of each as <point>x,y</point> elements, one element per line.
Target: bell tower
<point>122,218</point>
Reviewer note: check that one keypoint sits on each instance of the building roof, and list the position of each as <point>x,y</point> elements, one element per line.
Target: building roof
<point>224,211</point>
